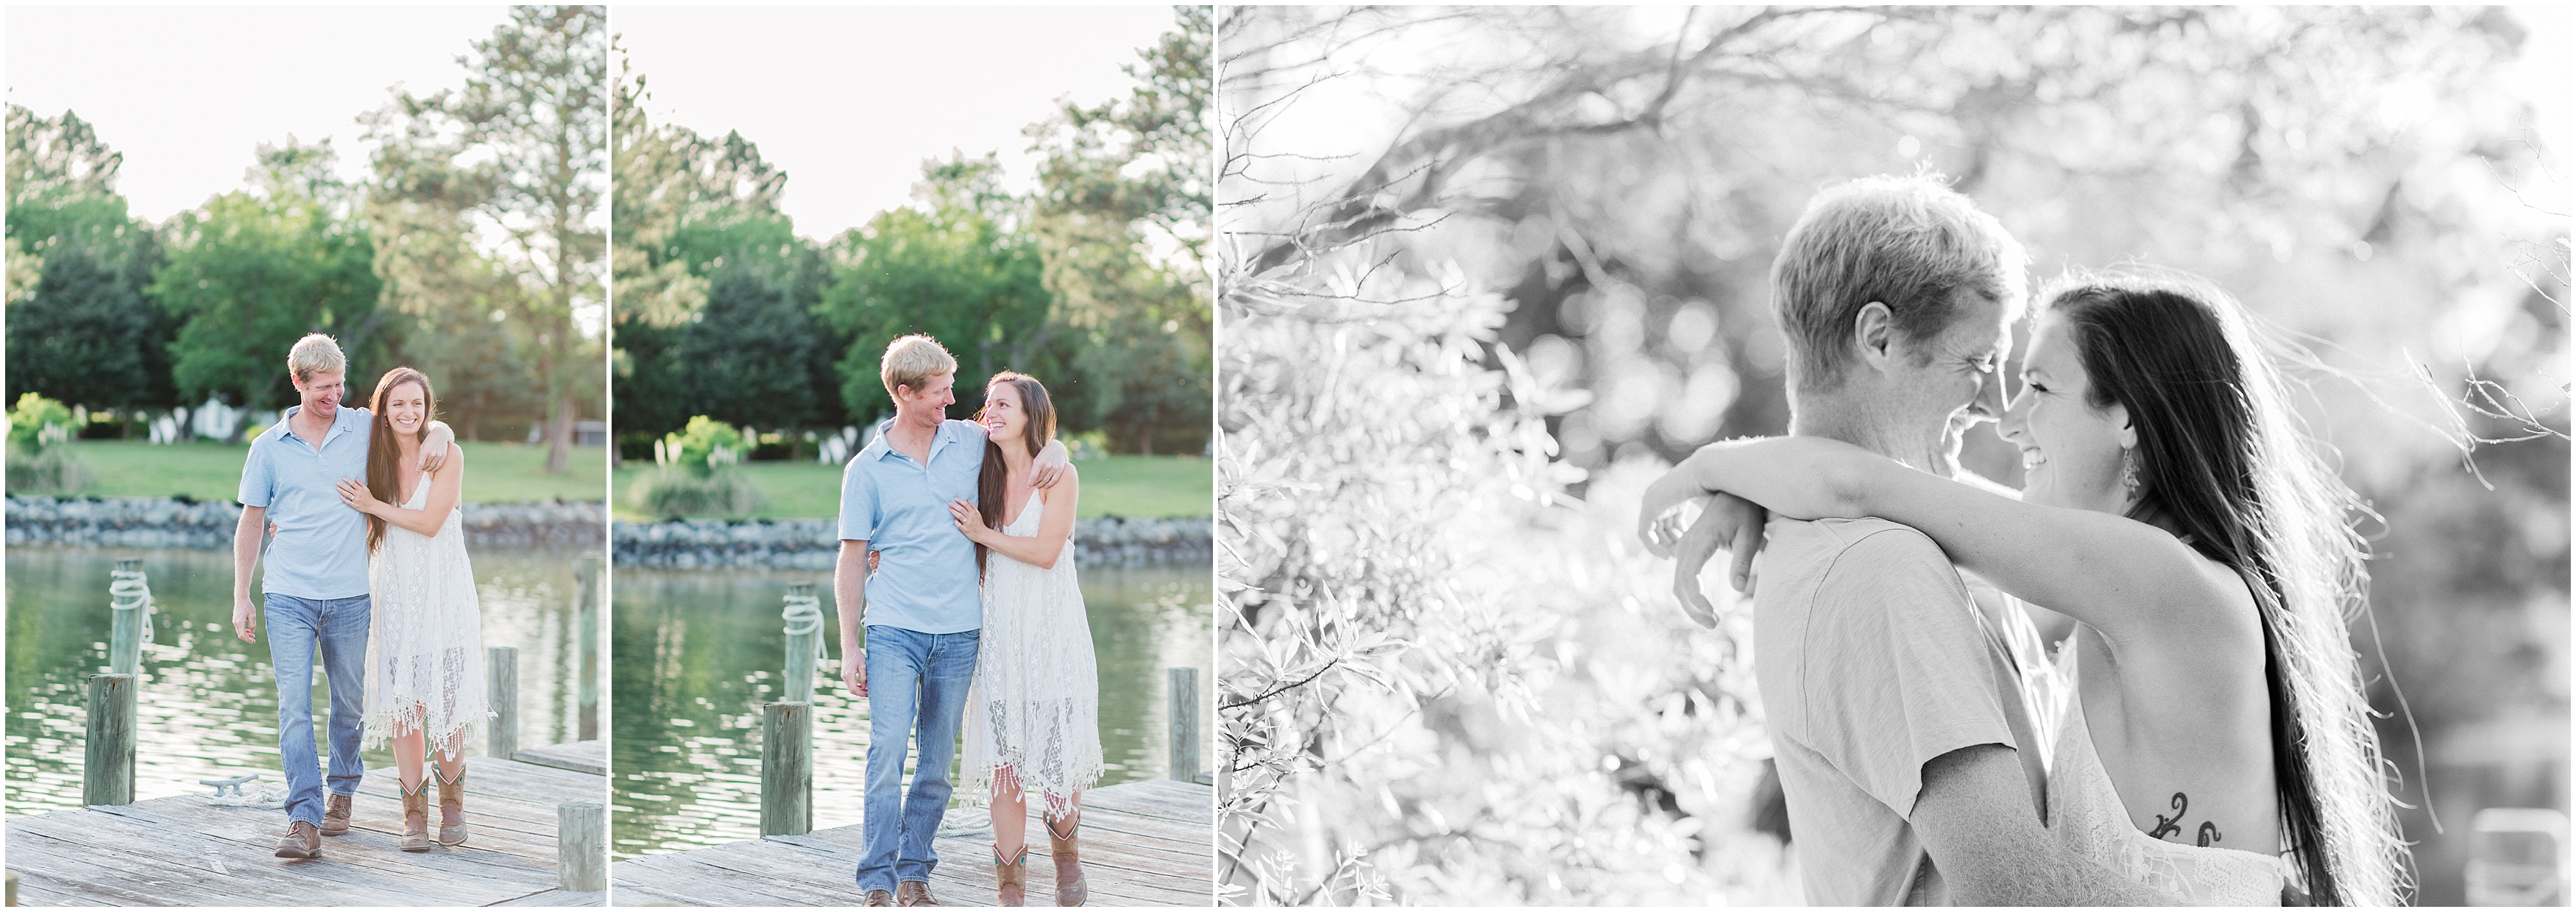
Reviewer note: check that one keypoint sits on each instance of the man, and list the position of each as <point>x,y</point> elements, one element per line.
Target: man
<point>1906,752</point>
<point>921,610</point>
<point>316,584</point>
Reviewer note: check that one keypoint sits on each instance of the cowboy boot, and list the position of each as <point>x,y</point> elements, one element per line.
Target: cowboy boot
<point>415,805</point>
<point>451,807</point>
<point>1069,888</point>
<point>1014,876</point>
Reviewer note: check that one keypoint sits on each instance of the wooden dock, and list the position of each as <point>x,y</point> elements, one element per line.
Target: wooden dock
<point>1149,843</point>
<point>187,851</point>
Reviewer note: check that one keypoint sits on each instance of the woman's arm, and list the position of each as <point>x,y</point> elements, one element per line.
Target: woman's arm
<point>446,486</point>
<point>2112,572</point>
<point>1040,550</point>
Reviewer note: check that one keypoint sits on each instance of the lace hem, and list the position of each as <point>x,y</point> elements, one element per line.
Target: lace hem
<point>447,736</point>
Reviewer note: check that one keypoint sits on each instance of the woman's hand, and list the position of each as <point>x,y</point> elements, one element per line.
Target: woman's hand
<point>1730,524</point>
<point>968,520</point>
<point>354,493</point>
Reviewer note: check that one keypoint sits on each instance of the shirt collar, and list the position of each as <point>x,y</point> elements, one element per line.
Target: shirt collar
<point>880,449</point>
<point>343,420</point>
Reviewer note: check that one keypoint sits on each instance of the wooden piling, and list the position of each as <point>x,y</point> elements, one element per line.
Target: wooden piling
<point>587,607</point>
<point>501,680</point>
<point>804,616</point>
<point>1184,711</point>
<point>787,769</point>
<point>581,846</point>
<point>107,770</point>
<point>129,599</point>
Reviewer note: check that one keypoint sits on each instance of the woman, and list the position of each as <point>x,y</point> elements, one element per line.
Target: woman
<point>425,650</point>
<point>1033,718</point>
<point>2219,722</point>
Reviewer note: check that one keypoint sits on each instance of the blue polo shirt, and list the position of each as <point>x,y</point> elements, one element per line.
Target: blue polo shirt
<point>321,547</point>
<point>925,580</point>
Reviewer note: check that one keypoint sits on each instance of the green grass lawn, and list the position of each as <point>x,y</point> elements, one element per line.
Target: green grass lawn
<point>1143,486</point>
<point>494,472</point>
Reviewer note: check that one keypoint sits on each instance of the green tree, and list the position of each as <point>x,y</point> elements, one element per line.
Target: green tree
<point>1119,180</point>
<point>79,327</point>
<point>714,286</point>
<point>955,266</point>
<point>253,270</point>
<point>523,147</point>
<point>86,336</point>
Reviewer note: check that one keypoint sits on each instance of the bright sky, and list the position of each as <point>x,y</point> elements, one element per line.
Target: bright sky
<point>850,100</point>
<point>189,93</point>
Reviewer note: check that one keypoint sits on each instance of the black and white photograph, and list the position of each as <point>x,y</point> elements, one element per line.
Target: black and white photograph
<point>1905,455</point>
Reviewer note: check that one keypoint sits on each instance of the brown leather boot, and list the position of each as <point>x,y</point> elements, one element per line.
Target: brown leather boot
<point>302,840</point>
<point>415,804</point>
<point>335,815</point>
<point>913,893</point>
<point>879,898</point>
<point>1063,847</point>
<point>1014,876</point>
<point>451,808</point>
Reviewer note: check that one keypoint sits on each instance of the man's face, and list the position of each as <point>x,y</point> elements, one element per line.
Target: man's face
<point>1954,380</point>
<point>927,405</point>
<point>321,392</point>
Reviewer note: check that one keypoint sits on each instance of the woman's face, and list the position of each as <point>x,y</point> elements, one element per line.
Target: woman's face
<point>1003,417</point>
<point>407,407</point>
<point>2070,451</point>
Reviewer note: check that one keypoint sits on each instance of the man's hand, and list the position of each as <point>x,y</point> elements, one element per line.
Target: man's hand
<point>433,446</point>
<point>873,558</point>
<point>1050,466</point>
<point>245,618</point>
<point>1730,523</point>
<point>854,671</point>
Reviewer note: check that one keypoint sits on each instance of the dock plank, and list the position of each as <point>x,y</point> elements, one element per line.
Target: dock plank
<point>580,756</point>
<point>1143,843</point>
<point>187,851</point>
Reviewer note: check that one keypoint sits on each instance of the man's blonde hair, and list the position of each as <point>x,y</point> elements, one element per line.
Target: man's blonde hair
<point>1906,242</point>
<point>313,353</point>
<point>912,361</point>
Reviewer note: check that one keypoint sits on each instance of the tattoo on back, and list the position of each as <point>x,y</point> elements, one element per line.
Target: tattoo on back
<point>2167,826</point>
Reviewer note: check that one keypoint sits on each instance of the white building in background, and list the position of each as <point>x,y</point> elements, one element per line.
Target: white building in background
<point>215,420</point>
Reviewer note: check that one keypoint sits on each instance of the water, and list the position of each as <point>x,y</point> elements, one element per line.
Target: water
<point>697,653</point>
<point>209,701</point>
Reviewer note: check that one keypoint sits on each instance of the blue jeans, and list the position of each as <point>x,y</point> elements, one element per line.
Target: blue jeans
<point>913,678</point>
<point>296,626</point>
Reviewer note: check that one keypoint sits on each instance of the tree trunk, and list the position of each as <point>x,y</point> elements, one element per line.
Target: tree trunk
<point>559,435</point>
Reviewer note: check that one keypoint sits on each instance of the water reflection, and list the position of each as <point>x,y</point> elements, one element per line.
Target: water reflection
<point>697,653</point>
<point>209,701</point>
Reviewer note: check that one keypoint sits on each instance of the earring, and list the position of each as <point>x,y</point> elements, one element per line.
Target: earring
<point>2129,474</point>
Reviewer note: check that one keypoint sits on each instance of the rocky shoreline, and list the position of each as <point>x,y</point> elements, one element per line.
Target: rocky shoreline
<point>813,544</point>
<point>160,522</point>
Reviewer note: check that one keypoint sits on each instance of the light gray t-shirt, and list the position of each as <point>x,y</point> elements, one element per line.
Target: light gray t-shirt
<point>1872,660</point>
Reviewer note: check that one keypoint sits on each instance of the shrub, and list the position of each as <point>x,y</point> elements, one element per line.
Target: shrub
<point>702,448</point>
<point>721,493</point>
<point>41,460</point>
<point>696,474</point>
<point>1443,679</point>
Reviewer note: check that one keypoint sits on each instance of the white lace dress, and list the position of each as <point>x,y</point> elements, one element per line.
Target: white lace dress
<point>1035,706</point>
<point>425,641</point>
<point>2085,813</point>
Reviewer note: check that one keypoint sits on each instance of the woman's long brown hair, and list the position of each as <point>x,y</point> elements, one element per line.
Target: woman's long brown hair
<point>992,485</point>
<point>383,453</point>
<point>2220,456</point>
